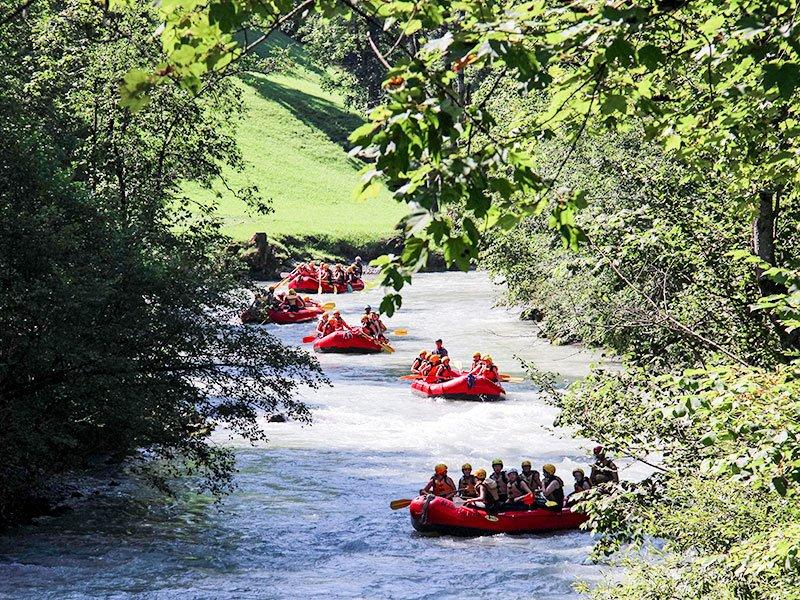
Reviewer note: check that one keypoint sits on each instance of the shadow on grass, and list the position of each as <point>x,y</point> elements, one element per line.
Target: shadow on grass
<point>332,120</point>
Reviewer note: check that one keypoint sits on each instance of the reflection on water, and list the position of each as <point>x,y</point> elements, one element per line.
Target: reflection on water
<point>310,516</point>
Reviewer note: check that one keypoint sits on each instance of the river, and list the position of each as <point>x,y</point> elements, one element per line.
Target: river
<point>310,516</point>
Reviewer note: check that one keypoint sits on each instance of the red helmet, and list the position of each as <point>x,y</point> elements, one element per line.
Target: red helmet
<point>598,450</point>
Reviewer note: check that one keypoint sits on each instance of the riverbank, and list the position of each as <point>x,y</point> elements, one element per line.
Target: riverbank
<point>266,257</point>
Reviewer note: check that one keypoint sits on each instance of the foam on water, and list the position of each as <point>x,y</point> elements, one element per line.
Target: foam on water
<point>310,515</point>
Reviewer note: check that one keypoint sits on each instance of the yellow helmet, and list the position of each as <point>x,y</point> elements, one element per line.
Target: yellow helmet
<point>466,466</point>
<point>440,469</point>
<point>578,470</point>
<point>526,463</point>
<point>549,469</point>
<point>423,353</point>
<point>446,359</point>
<point>476,355</point>
<point>487,358</point>
<point>480,473</point>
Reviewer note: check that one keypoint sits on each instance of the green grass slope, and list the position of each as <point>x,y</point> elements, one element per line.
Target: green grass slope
<point>294,139</point>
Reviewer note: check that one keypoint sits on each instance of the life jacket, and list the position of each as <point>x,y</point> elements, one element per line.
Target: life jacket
<point>491,493</point>
<point>477,367</point>
<point>490,372</point>
<point>580,484</point>
<point>502,482</point>
<point>516,487</point>
<point>425,370</point>
<point>417,364</point>
<point>467,486</point>
<point>323,326</point>
<point>558,494</point>
<point>444,372</point>
<point>442,487</point>
<point>530,479</point>
<point>358,270</point>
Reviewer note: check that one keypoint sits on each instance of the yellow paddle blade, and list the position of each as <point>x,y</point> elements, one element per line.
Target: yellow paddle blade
<point>329,305</point>
<point>513,380</point>
<point>400,331</point>
<point>398,504</point>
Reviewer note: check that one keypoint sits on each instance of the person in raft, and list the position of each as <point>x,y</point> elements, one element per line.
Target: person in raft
<point>358,267</point>
<point>517,490</point>
<point>582,482</point>
<point>552,494</point>
<point>440,484</point>
<point>477,364</point>
<point>378,324</point>
<point>440,350</point>
<point>603,470</point>
<point>419,362</point>
<point>468,484</point>
<point>488,497</point>
<point>293,302</point>
<point>530,476</point>
<point>337,277</point>
<point>324,274</point>
<point>372,328</point>
<point>324,326</point>
<point>350,277</point>
<point>337,322</point>
<point>489,370</point>
<point>443,372</point>
<point>430,365</point>
<point>500,478</point>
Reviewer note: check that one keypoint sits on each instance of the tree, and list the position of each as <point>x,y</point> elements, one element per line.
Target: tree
<point>115,304</point>
<point>716,84</point>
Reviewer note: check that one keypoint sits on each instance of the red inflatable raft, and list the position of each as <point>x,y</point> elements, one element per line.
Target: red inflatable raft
<point>310,285</point>
<point>459,388</point>
<point>344,341</point>
<point>434,514</point>
<point>284,317</point>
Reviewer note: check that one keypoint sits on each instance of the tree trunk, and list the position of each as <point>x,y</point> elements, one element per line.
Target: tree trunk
<point>764,228</point>
<point>764,234</point>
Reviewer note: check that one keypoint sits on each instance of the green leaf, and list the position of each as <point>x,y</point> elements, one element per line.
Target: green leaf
<point>650,56</point>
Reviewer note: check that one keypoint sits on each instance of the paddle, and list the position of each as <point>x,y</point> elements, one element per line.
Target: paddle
<point>411,377</point>
<point>398,504</point>
<point>328,306</point>
<point>309,338</point>
<point>401,332</point>
<point>510,378</point>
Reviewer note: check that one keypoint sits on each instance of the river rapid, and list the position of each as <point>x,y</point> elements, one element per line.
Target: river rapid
<point>310,516</point>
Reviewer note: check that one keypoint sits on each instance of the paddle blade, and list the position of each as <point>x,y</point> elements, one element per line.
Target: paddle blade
<point>410,377</point>
<point>400,331</point>
<point>398,504</point>
<point>309,338</point>
<point>329,305</point>
<point>387,348</point>
<point>528,499</point>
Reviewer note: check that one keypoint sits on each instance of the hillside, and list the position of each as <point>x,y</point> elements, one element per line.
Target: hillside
<point>294,138</point>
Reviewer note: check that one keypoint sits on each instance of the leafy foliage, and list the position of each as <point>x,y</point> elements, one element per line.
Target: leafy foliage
<point>114,301</point>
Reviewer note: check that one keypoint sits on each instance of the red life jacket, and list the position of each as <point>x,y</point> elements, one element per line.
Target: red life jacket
<point>490,372</point>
